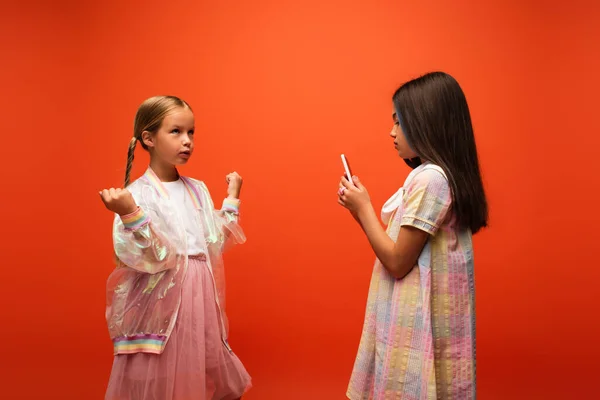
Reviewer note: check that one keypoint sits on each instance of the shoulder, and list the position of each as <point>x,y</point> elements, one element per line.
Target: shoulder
<point>195,182</point>
<point>428,199</point>
<point>144,192</point>
<point>428,175</point>
<point>199,187</point>
<point>137,186</point>
<point>429,181</point>
<point>192,180</point>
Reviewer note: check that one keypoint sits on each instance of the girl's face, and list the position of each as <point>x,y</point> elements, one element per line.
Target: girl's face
<point>400,143</point>
<point>174,141</point>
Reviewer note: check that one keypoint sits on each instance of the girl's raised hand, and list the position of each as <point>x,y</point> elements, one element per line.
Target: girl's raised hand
<point>119,201</point>
<point>234,184</point>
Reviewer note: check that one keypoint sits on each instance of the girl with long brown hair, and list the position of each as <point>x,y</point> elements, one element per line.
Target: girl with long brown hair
<point>418,339</point>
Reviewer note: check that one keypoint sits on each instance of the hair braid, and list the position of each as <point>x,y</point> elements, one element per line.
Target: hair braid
<point>130,155</point>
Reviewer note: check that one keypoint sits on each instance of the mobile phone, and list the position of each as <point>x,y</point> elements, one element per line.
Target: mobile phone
<point>347,168</point>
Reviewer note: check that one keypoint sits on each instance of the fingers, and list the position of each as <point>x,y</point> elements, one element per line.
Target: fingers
<point>232,176</point>
<point>112,194</point>
<point>354,185</point>
<point>347,184</point>
<point>104,195</point>
<point>344,187</point>
<point>357,182</point>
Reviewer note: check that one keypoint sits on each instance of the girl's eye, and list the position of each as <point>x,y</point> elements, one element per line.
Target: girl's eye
<point>175,131</point>
<point>191,133</point>
<point>396,122</point>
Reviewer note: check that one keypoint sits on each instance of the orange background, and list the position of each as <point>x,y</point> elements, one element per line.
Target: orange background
<point>280,89</point>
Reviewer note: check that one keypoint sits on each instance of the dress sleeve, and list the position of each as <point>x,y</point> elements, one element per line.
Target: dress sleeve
<point>427,201</point>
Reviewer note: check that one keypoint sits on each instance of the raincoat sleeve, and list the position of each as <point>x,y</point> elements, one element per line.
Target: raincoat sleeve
<point>141,241</point>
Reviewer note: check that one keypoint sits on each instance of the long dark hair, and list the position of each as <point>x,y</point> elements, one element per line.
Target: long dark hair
<point>435,118</point>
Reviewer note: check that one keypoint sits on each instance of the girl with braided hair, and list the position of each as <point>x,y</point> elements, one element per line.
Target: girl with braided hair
<point>166,296</point>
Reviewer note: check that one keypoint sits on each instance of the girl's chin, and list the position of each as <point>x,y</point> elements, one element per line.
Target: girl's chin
<point>181,161</point>
<point>406,155</point>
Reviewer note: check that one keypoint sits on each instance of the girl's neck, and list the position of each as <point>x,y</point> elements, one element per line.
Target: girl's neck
<point>164,172</point>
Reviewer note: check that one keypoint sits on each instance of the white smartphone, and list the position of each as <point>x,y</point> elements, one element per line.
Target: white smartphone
<point>347,169</point>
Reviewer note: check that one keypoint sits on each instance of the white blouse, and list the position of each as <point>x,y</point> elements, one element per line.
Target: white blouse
<point>185,209</point>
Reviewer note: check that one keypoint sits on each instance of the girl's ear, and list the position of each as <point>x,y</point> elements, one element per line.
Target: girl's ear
<point>148,139</point>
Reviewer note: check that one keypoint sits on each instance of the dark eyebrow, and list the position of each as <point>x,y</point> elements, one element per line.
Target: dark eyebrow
<point>180,128</point>
<point>394,116</point>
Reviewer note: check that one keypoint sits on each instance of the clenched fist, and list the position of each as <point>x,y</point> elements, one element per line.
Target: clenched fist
<point>234,184</point>
<point>119,201</point>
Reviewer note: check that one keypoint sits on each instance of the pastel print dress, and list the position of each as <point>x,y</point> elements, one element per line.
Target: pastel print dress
<point>418,339</point>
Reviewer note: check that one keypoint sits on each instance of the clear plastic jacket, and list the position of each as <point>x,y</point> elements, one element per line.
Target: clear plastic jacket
<point>144,290</point>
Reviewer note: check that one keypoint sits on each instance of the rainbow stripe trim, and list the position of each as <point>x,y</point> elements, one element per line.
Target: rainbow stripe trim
<point>148,343</point>
<point>151,176</point>
<point>135,220</point>
<point>231,205</point>
<point>193,192</point>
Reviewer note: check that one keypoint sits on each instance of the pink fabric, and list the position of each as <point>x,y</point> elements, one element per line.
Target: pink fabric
<point>195,363</point>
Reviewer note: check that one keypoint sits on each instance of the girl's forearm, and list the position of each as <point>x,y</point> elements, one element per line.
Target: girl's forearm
<point>381,243</point>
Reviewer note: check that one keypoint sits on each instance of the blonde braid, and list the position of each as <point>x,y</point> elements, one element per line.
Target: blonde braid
<point>130,154</point>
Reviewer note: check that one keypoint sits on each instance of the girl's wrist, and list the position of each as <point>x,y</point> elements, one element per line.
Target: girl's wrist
<point>233,193</point>
<point>364,212</point>
<point>231,204</point>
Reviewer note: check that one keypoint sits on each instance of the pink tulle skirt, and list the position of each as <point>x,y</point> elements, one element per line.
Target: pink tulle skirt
<point>195,364</point>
